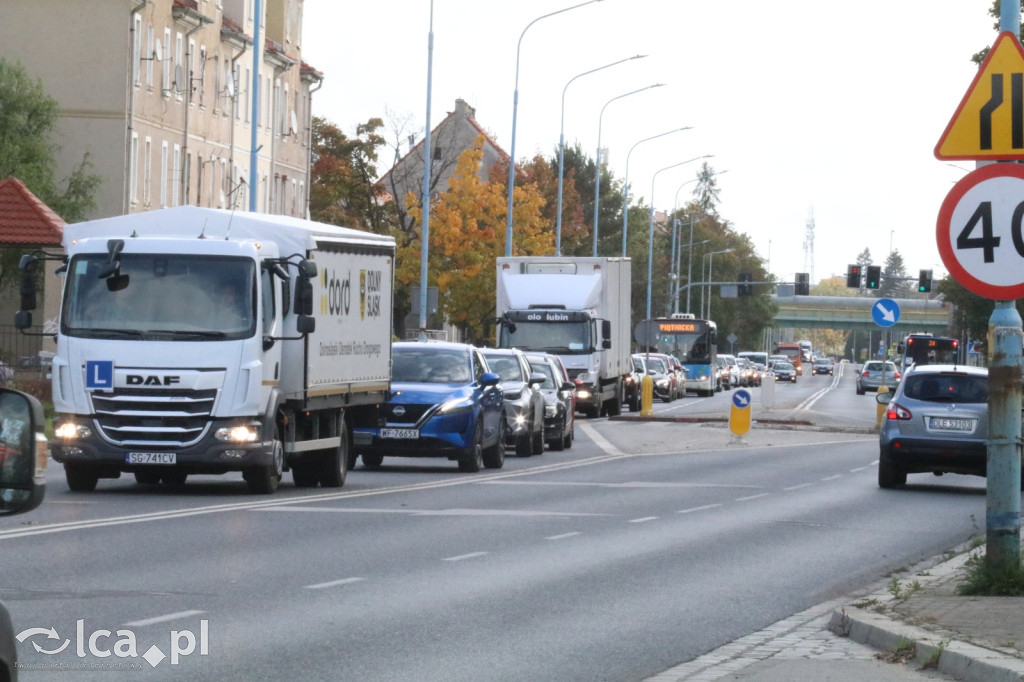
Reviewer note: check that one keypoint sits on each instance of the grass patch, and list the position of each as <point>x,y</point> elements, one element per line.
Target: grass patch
<point>982,579</point>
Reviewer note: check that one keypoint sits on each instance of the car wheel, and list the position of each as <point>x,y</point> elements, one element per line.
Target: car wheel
<point>494,456</point>
<point>569,436</point>
<point>860,390</point>
<point>264,480</point>
<point>473,460</point>
<point>888,475</point>
<point>147,477</point>
<point>524,445</point>
<point>81,479</point>
<point>634,403</point>
<point>372,460</point>
<point>537,445</point>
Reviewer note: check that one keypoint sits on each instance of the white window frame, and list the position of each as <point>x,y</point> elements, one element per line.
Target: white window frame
<point>136,50</point>
<point>133,170</point>
<point>179,61</point>
<point>150,49</point>
<point>147,171</point>
<point>176,176</point>
<point>165,86</point>
<point>163,173</point>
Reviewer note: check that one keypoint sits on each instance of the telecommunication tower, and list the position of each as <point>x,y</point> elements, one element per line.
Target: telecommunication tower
<point>809,245</point>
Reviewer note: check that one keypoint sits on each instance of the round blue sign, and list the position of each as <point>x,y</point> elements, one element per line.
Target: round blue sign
<point>885,312</point>
<point>741,399</point>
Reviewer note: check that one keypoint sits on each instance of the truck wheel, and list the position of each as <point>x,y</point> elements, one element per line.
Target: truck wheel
<point>173,477</point>
<point>147,477</point>
<point>615,406</point>
<point>264,480</point>
<point>494,456</point>
<point>81,479</point>
<point>634,403</point>
<point>333,463</point>
<point>304,475</point>
<point>473,460</point>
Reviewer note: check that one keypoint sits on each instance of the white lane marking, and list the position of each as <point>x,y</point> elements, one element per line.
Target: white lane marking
<point>809,402</point>
<point>563,536</point>
<point>163,619</point>
<point>334,583</point>
<point>797,487</point>
<point>644,519</point>
<point>427,512</point>
<point>463,557</point>
<point>697,509</point>
<point>853,471</point>
<point>752,497</point>
<point>625,484</point>
<point>832,478</point>
<point>600,441</point>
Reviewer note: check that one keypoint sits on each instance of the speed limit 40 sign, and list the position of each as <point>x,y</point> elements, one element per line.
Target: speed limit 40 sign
<point>980,231</point>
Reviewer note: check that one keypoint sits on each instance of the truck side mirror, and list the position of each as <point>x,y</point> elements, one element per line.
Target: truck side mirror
<point>606,334</point>
<point>23,444</point>
<point>23,319</point>
<point>305,324</point>
<point>303,296</point>
<point>27,265</point>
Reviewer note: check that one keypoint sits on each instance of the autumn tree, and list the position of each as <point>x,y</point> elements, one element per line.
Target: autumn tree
<point>467,232</point>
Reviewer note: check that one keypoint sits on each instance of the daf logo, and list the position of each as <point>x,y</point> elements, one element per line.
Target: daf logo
<point>151,380</point>
<point>398,410</point>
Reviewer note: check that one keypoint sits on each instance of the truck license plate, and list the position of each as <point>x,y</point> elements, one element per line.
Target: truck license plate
<point>945,424</point>
<point>404,434</point>
<point>151,458</point>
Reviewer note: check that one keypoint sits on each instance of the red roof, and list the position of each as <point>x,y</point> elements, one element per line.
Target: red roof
<point>24,219</point>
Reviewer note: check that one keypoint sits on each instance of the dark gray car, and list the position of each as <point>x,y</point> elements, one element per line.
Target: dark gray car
<point>559,400</point>
<point>524,403</point>
<point>936,420</point>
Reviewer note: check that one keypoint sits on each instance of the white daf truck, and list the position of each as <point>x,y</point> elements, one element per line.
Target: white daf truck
<point>202,341</point>
<point>577,308</point>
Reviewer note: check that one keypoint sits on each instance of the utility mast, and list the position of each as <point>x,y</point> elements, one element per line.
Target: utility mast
<point>809,245</point>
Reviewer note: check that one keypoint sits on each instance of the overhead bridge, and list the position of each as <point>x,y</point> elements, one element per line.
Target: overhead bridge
<point>854,312</point>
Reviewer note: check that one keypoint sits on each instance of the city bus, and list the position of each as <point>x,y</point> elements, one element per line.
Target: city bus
<point>694,342</point>
<point>928,349</point>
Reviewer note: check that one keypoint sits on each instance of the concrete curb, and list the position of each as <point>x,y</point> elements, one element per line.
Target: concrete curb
<point>951,657</point>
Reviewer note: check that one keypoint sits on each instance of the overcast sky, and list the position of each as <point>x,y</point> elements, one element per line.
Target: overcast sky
<point>813,107</point>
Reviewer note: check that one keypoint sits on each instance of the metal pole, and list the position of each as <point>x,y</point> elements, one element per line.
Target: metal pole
<point>515,108</point>
<point>597,162</point>
<point>625,184</point>
<point>254,157</point>
<point>425,241</point>
<point>561,148</point>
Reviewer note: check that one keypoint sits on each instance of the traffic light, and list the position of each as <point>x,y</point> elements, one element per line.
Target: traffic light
<point>874,276</point>
<point>745,287</point>
<point>853,276</point>
<point>924,281</point>
<point>803,284</point>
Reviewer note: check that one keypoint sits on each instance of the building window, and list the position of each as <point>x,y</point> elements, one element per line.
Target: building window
<point>202,75</point>
<point>151,54</point>
<point>248,95</point>
<point>163,175</point>
<point>136,49</point>
<point>188,178</point>
<point>176,176</point>
<point>191,68</point>
<point>147,171</point>
<point>216,83</point>
<point>133,170</point>
<point>179,65</point>
<point>234,97</point>
<point>166,85</point>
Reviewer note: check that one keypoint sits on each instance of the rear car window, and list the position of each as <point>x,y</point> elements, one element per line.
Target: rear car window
<point>947,388</point>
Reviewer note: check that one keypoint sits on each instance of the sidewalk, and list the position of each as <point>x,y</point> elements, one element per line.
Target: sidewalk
<point>968,638</point>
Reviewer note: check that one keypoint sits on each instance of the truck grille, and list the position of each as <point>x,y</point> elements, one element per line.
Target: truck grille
<point>169,418</point>
<point>573,373</point>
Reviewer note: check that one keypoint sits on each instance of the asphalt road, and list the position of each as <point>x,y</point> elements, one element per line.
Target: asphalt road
<point>645,545</point>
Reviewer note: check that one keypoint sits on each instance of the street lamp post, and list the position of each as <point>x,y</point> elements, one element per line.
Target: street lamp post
<point>561,147</point>
<point>425,238</point>
<point>711,266</point>
<point>597,162</point>
<point>650,236</point>
<point>515,108</point>
<point>625,184</point>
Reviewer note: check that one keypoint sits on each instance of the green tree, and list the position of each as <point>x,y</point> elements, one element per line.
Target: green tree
<point>28,117</point>
<point>993,11</point>
<point>707,192</point>
<point>894,282</point>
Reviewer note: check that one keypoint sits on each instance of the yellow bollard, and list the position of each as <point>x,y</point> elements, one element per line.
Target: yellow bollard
<point>880,408</point>
<point>647,396</point>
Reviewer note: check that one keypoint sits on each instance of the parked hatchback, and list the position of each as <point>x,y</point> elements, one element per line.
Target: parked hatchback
<point>559,400</point>
<point>936,420</point>
<point>876,373</point>
<point>444,402</point>
<point>524,404</point>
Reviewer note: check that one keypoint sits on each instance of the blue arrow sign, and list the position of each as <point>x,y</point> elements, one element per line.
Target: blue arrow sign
<point>885,312</point>
<point>741,398</point>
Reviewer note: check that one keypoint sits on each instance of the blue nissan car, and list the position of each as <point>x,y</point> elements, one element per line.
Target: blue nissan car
<point>444,402</point>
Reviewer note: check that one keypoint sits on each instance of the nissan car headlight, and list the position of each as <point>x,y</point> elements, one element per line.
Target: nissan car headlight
<point>456,405</point>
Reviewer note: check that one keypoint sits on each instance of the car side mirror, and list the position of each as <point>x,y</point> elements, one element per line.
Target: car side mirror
<point>883,398</point>
<point>536,379</point>
<point>567,386</point>
<point>24,450</point>
<point>489,379</point>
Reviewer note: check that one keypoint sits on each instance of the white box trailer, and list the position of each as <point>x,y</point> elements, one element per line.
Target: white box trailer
<point>577,308</point>
<point>194,340</point>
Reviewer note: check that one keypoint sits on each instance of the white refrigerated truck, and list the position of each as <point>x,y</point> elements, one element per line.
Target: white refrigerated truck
<point>577,308</point>
<point>203,341</point>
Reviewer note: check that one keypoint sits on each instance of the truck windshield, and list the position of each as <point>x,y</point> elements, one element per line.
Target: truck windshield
<point>169,297</point>
<point>566,338</point>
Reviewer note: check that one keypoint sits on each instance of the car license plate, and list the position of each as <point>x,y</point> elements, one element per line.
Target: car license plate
<point>403,434</point>
<point>151,458</point>
<point>946,424</point>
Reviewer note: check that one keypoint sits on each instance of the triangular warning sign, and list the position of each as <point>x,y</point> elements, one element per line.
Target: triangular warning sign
<point>989,123</point>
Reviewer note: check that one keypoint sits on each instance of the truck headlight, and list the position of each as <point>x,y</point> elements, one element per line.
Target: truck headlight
<point>237,434</point>
<point>72,431</point>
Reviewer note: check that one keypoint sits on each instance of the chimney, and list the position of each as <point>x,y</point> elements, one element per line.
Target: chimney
<point>462,108</point>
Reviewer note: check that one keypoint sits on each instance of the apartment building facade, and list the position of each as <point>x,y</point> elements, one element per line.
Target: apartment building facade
<point>160,95</point>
